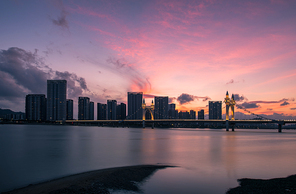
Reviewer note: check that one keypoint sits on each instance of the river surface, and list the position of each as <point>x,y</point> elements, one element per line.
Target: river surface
<point>208,160</point>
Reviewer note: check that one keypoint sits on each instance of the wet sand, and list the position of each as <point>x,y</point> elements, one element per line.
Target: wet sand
<point>98,181</point>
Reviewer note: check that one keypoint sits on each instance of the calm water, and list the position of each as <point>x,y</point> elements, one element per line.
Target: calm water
<point>209,160</point>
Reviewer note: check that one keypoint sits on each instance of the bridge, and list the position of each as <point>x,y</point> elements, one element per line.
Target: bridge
<point>228,123</point>
<point>127,123</point>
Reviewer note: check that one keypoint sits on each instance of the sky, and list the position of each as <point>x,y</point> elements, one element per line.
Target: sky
<point>191,51</point>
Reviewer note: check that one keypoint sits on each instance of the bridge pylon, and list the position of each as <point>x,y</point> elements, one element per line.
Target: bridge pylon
<point>150,109</point>
<point>230,102</point>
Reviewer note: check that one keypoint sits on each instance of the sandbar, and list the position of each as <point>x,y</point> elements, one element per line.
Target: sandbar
<point>98,181</point>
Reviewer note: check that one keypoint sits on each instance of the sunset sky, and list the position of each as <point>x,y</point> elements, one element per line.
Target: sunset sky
<point>191,51</point>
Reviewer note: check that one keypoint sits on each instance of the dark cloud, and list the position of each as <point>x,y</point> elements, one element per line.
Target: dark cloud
<point>73,90</point>
<point>172,99</point>
<point>248,105</point>
<point>285,103</point>
<point>293,108</point>
<point>23,72</point>
<point>148,96</point>
<point>61,21</point>
<point>23,69</point>
<point>186,98</point>
<point>234,82</point>
<point>271,102</point>
<point>269,109</point>
<point>239,98</point>
<point>130,72</point>
<point>230,82</point>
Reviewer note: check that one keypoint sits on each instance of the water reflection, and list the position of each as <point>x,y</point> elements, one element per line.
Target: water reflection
<point>209,160</point>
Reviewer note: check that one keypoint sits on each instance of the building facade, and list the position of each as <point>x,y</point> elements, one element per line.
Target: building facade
<point>56,100</point>
<point>101,111</point>
<point>201,114</point>
<point>184,115</point>
<point>121,111</point>
<point>91,111</point>
<point>215,109</point>
<point>83,108</point>
<point>69,109</point>
<point>111,109</point>
<point>35,107</point>
<point>192,114</point>
<point>134,103</point>
<point>161,107</point>
<point>173,113</point>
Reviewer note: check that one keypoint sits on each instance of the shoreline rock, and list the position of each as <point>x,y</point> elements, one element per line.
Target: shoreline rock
<point>256,186</point>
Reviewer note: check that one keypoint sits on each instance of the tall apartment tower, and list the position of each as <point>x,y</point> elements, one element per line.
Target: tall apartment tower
<point>161,107</point>
<point>134,103</point>
<point>69,109</point>
<point>173,113</point>
<point>121,111</point>
<point>201,114</point>
<point>91,111</point>
<point>215,109</point>
<point>83,108</point>
<point>111,109</point>
<point>56,100</point>
<point>101,111</point>
<point>192,114</point>
<point>35,107</point>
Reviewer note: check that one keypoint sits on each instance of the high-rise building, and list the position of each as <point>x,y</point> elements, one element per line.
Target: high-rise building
<point>56,100</point>
<point>201,114</point>
<point>69,109</point>
<point>101,111</point>
<point>35,107</point>
<point>161,107</point>
<point>173,113</point>
<point>91,110</point>
<point>184,115</point>
<point>215,109</point>
<point>111,109</point>
<point>192,114</point>
<point>121,111</point>
<point>83,108</point>
<point>134,103</point>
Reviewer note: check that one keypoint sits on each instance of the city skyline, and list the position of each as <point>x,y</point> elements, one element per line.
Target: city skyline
<point>191,51</point>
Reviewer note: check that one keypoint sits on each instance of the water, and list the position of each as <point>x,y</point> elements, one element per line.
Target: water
<point>209,160</point>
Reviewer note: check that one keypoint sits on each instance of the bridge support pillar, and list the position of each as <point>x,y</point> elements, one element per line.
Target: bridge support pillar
<point>152,126</point>
<point>280,127</point>
<point>227,125</point>
<point>143,124</point>
<point>232,126</point>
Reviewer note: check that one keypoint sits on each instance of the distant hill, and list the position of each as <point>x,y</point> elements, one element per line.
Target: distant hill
<point>5,112</point>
